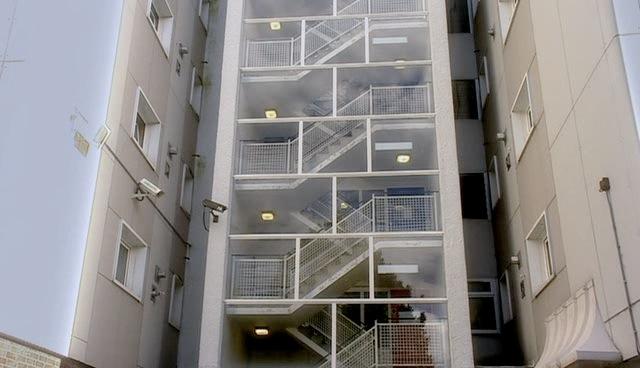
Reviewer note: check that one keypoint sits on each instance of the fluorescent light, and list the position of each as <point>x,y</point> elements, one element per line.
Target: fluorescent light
<point>389,40</point>
<point>403,159</point>
<point>394,146</point>
<point>344,205</point>
<point>275,26</point>
<point>386,269</point>
<point>261,331</point>
<point>270,113</point>
<point>400,61</point>
<point>267,216</point>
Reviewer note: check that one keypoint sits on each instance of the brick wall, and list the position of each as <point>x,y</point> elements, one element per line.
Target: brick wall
<point>20,354</point>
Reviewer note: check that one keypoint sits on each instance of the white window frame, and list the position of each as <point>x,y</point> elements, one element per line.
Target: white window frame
<point>184,198</point>
<point>494,182</point>
<point>204,12</point>
<point>135,269</point>
<point>506,13</point>
<point>493,294</point>
<point>506,304</point>
<point>483,77</point>
<point>164,29</point>
<point>196,92</point>
<point>153,129</point>
<point>540,255</point>
<point>522,119</point>
<point>176,302</point>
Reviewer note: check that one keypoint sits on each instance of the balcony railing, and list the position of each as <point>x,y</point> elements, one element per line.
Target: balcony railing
<point>282,157</point>
<point>274,277</point>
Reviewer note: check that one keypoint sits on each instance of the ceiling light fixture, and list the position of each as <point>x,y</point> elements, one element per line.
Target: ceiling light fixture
<point>344,205</point>
<point>270,113</point>
<point>267,216</point>
<point>403,159</point>
<point>400,61</point>
<point>275,26</point>
<point>261,331</point>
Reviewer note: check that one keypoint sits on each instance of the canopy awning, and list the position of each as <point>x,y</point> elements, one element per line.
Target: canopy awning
<point>576,333</point>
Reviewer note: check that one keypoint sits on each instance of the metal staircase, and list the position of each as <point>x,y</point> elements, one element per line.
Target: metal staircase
<point>323,143</point>
<point>324,261</point>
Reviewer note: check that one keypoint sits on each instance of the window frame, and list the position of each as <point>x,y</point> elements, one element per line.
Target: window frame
<point>150,147</point>
<point>172,302</point>
<point>134,280</point>
<point>204,6</point>
<point>493,294</point>
<point>494,182</point>
<point>162,27</point>
<point>505,24</point>
<point>484,88</point>
<point>195,77</point>
<point>506,298</point>
<point>186,170</point>
<point>522,122</point>
<point>547,256</point>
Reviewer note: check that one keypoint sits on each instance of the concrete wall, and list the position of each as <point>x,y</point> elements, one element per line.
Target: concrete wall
<point>113,328</point>
<point>56,72</point>
<point>585,129</point>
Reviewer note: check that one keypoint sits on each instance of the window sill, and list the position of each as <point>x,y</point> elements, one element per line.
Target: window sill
<point>144,154</point>
<point>153,29</point>
<point>186,212</point>
<point>175,326</point>
<point>127,290</point>
<point>526,144</point>
<point>485,332</point>
<point>543,286</point>
<point>194,111</point>
<point>204,26</point>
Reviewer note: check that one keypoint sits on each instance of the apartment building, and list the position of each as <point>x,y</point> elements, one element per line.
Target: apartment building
<point>114,127</point>
<point>339,155</point>
<point>559,90</point>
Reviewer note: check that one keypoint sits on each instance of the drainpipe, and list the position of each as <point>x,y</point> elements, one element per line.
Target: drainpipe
<point>605,186</point>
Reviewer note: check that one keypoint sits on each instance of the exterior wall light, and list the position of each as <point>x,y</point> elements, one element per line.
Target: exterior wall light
<point>270,113</point>
<point>403,159</point>
<point>275,26</point>
<point>267,216</point>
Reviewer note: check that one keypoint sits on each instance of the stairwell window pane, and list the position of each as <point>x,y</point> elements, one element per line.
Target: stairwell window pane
<point>287,8</point>
<point>413,137</point>
<point>414,30</point>
<point>335,146</point>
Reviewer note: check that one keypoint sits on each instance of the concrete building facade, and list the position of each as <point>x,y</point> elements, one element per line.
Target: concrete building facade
<point>560,118</point>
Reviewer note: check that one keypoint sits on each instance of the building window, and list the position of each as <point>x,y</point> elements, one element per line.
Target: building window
<point>458,16</point>
<point>505,297</point>
<point>522,118</point>
<point>204,12</point>
<point>539,255</point>
<point>494,182</point>
<point>507,9</point>
<point>161,19</point>
<point>483,79</point>
<point>473,195</point>
<point>186,193</point>
<point>195,96</point>
<point>465,102</point>
<point>130,262</point>
<point>146,129</point>
<point>175,306</point>
<point>483,306</point>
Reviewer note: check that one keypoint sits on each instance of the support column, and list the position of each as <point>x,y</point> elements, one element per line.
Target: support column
<point>460,346</point>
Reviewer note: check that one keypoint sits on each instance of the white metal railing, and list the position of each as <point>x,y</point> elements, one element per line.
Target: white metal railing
<point>274,278</point>
<point>282,157</point>
<point>346,330</point>
<point>288,51</point>
<point>395,345</point>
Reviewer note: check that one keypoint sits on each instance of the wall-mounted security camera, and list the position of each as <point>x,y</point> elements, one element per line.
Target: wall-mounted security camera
<point>147,189</point>
<point>501,137</point>
<point>492,32</point>
<point>182,50</point>
<point>214,206</point>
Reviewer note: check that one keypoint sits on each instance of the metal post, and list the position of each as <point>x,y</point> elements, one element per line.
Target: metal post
<point>296,281</point>
<point>370,100</point>
<point>371,269</point>
<point>241,158</point>
<point>334,335</point>
<point>284,277</point>
<point>300,145</point>
<point>375,343</point>
<point>369,147</point>
<point>373,213</point>
<point>334,204</point>
<point>292,62</point>
<point>335,92</point>
<point>288,155</point>
<point>303,39</point>
<point>366,40</point>
<point>368,6</point>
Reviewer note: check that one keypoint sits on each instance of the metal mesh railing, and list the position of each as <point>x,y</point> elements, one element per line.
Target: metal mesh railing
<point>346,329</point>
<point>360,353</point>
<point>257,278</point>
<point>405,213</point>
<point>267,158</point>
<point>411,344</point>
<point>271,53</point>
<point>396,6</point>
<point>401,100</point>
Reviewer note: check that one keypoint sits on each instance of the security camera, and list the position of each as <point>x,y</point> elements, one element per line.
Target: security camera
<point>146,189</point>
<point>214,206</point>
